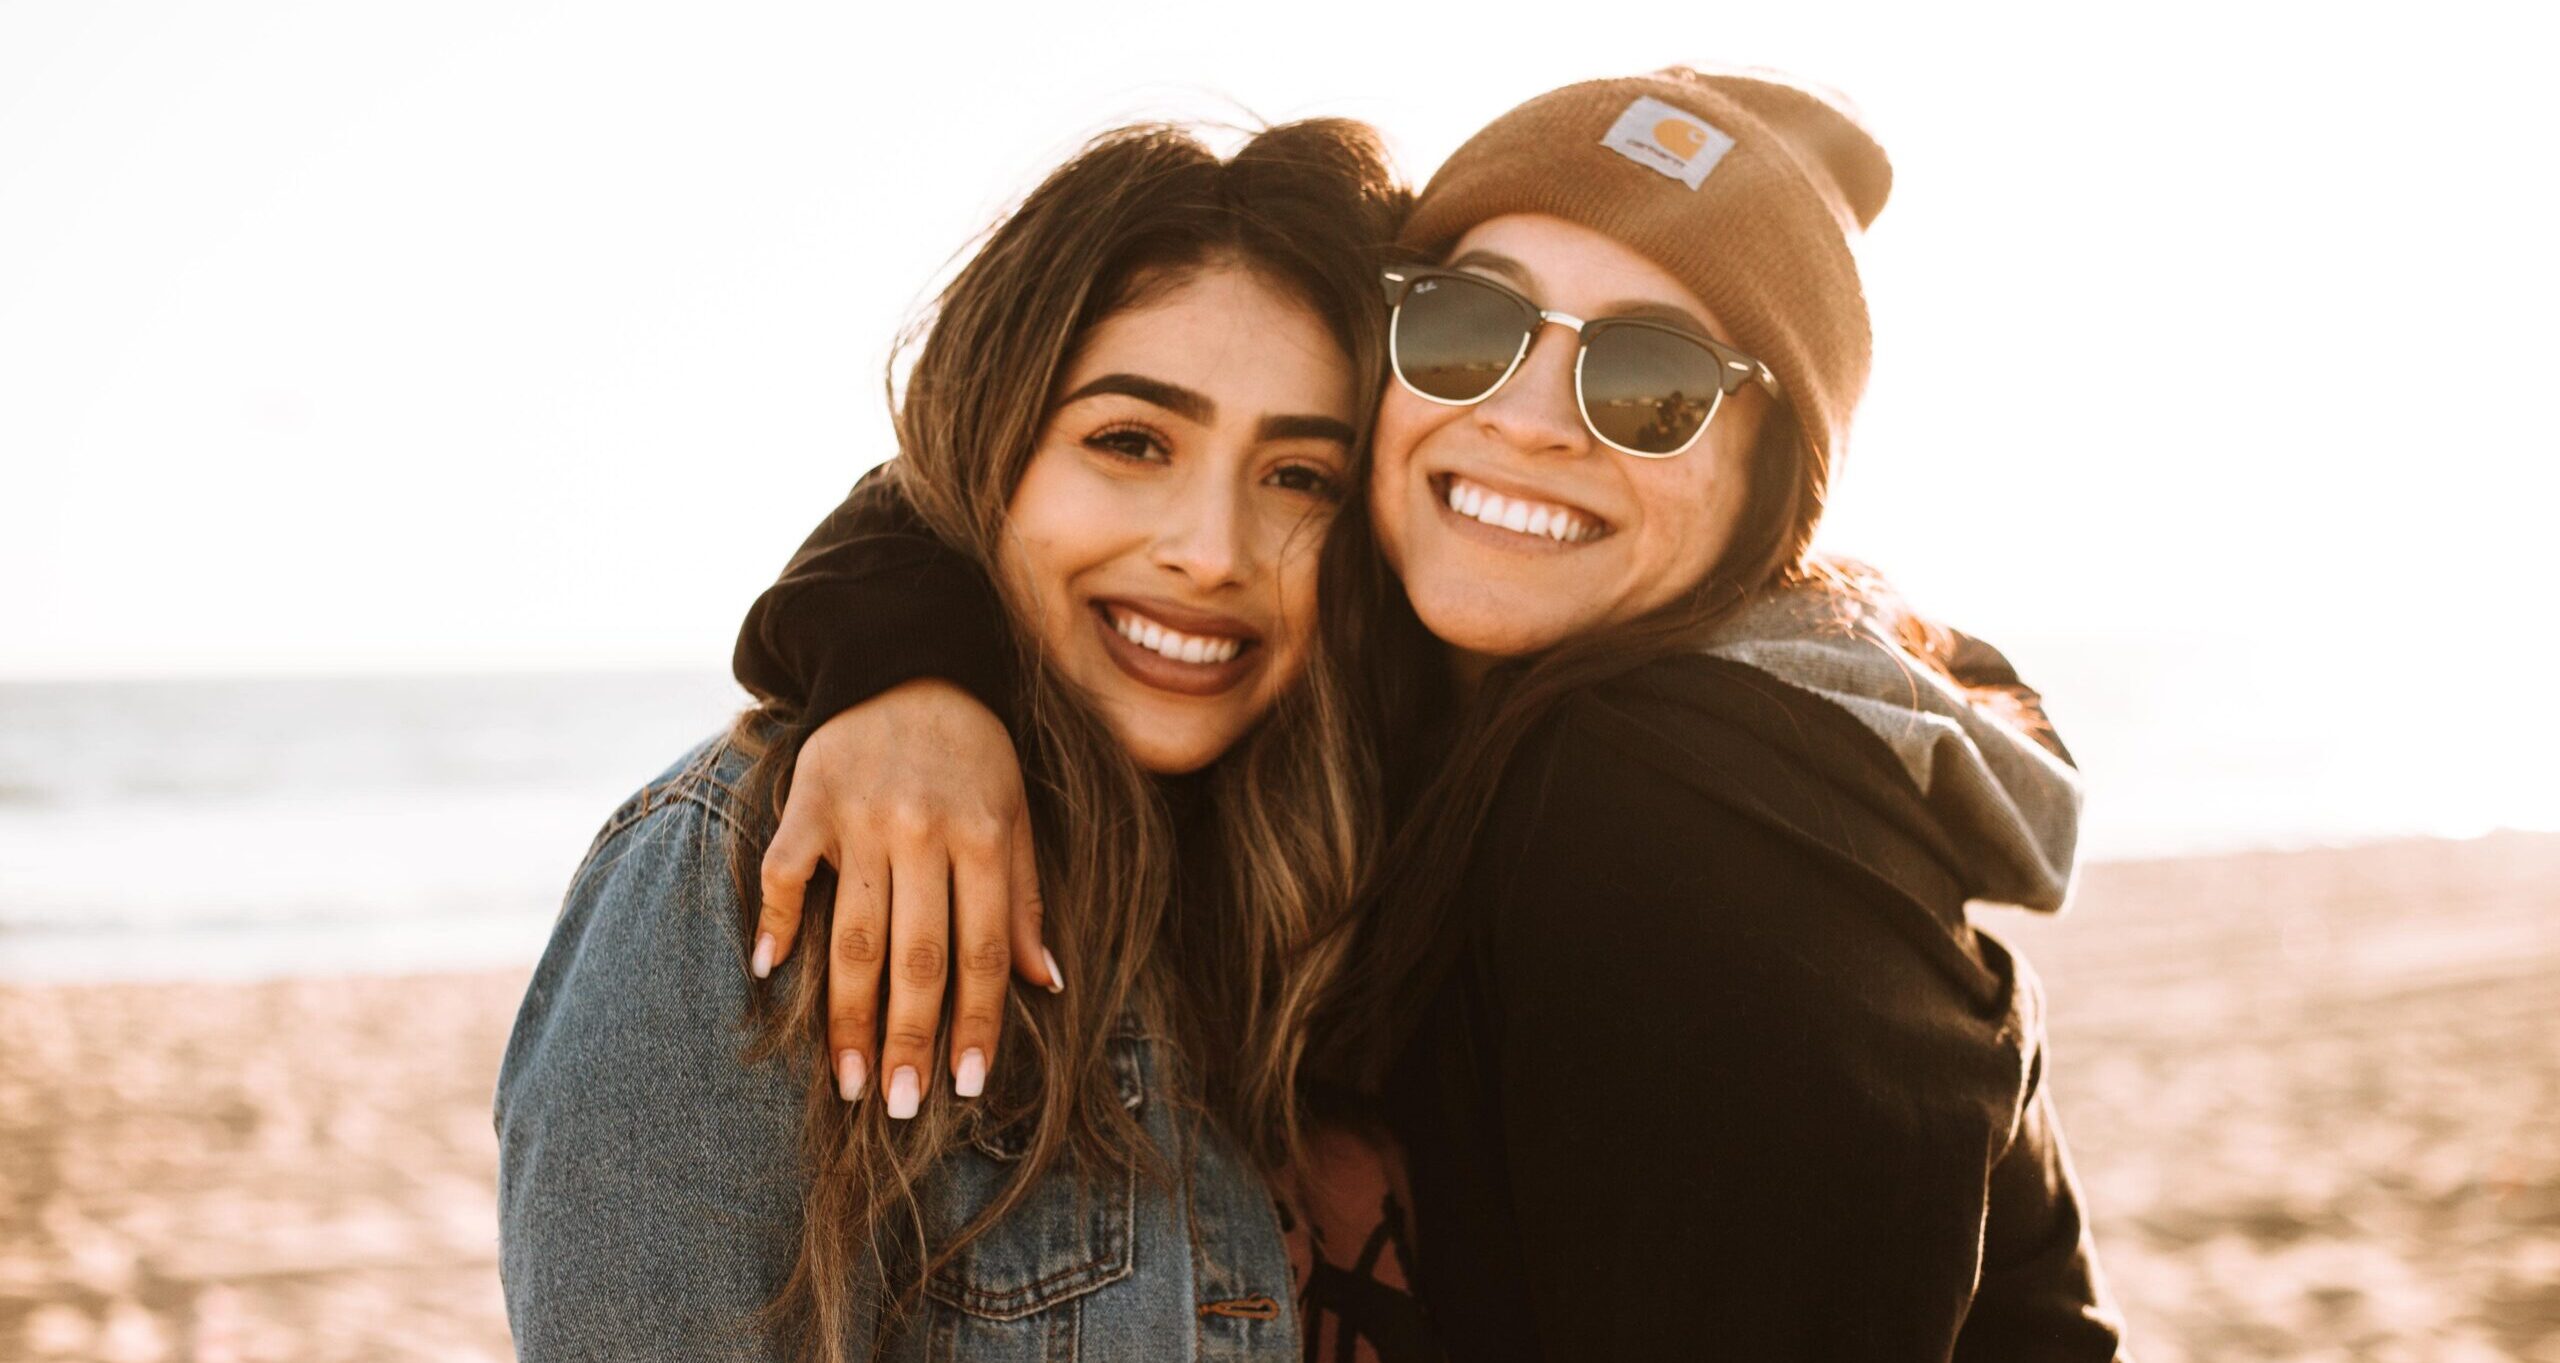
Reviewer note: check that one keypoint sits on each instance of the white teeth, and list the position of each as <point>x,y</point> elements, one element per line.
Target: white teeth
<point>1182,648</point>
<point>1527,518</point>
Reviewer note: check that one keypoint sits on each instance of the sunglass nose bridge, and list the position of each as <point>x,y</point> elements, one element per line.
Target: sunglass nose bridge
<point>1538,327</point>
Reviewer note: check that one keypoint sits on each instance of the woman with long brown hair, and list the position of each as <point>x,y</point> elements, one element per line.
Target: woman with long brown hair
<point>1134,415</point>
<point>1666,979</point>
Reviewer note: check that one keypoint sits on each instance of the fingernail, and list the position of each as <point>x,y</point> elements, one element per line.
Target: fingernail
<point>903,1093</point>
<point>849,1075</point>
<point>762,965</point>
<point>970,1079</point>
<point>1057,977</point>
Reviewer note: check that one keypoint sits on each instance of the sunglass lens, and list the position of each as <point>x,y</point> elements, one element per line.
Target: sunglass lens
<point>1648,390</point>
<point>1455,339</point>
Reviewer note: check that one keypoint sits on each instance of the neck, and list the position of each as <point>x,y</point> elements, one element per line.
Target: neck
<point>1186,797</point>
<point>1467,672</point>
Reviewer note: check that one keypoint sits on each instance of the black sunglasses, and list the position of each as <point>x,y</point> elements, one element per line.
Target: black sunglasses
<point>1646,388</point>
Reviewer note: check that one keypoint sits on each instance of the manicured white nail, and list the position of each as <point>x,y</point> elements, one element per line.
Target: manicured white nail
<point>904,1094</point>
<point>970,1079</point>
<point>849,1075</point>
<point>762,965</point>
<point>1057,977</point>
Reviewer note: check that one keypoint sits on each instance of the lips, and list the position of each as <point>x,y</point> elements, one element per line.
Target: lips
<point>1513,518</point>
<point>1175,648</point>
<point>1150,633</point>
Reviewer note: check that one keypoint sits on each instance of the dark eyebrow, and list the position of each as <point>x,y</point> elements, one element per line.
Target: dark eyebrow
<point>1304,428</point>
<point>1660,312</point>
<point>1181,401</point>
<point>1198,409</point>
<point>1499,264</point>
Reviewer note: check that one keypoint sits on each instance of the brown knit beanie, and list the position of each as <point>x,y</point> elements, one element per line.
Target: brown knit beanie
<point>1746,185</point>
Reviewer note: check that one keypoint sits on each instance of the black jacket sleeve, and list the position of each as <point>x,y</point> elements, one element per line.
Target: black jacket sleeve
<point>870,601</point>
<point>1749,1104</point>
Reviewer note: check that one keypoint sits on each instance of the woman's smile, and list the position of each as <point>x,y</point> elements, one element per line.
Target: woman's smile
<point>1521,521</point>
<point>1203,656</point>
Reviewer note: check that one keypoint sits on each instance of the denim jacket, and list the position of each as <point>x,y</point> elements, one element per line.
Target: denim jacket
<point>650,1183</point>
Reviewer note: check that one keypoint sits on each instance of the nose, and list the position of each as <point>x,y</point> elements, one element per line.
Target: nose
<point>1203,536</point>
<point>1535,411</point>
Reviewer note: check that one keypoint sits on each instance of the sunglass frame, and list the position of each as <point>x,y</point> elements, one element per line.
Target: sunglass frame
<point>1733,368</point>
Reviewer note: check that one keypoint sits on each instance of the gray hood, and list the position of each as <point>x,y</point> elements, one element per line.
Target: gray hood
<point>2010,805</point>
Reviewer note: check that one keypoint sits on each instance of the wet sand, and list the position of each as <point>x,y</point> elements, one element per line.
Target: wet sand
<point>2314,1096</point>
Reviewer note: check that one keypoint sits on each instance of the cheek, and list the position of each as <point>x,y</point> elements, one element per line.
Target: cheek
<point>1402,422</point>
<point>1053,529</point>
<point>1295,582</point>
<point>1035,583</point>
<point>1689,517</point>
<point>1301,577</point>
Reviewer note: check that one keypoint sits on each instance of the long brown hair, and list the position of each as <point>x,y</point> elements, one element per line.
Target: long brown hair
<point>1281,833</point>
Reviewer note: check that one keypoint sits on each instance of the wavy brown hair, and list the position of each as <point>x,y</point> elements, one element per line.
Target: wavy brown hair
<point>1200,945</point>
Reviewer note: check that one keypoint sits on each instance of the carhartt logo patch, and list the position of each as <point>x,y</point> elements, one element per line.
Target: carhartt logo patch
<point>1673,141</point>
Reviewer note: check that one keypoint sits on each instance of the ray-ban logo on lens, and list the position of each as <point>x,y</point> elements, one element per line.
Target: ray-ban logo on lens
<point>1672,141</point>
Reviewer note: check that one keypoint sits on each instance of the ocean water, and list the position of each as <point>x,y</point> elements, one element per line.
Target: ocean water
<point>254,827</point>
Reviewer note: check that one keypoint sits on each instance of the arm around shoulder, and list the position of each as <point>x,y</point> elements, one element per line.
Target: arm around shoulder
<point>872,600</point>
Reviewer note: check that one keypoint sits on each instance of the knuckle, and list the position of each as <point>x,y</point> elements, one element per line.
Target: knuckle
<point>907,822</point>
<point>909,1039</point>
<point>980,831</point>
<point>921,963</point>
<point>985,959</point>
<point>858,945</point>
<point>777,866</point>
<point>976,1021</point>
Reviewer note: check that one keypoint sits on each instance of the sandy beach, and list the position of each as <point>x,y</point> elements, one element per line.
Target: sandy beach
<point>2315,1097</point>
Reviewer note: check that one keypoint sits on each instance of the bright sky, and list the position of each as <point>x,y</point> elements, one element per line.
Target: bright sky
<point>464,335</point>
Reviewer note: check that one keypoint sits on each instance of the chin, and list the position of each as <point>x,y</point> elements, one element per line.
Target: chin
<point>1168,748</point>
<point>1493,624</point>
<point>1181,763</point>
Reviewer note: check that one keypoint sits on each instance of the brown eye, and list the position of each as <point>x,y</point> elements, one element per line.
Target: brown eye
<point>1134,443</point>
<point>1307,479</point>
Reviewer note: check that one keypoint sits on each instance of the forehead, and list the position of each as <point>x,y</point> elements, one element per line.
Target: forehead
<point>1225,332</point>
<point>1573,268</point>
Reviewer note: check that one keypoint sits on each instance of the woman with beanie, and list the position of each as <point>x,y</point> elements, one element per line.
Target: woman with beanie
<point>1666,980</point>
